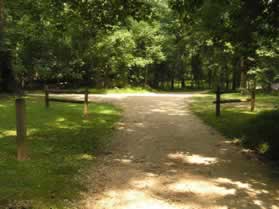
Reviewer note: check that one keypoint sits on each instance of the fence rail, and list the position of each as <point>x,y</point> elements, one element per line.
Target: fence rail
<point>61,91</point>
<point>48,99</point>
<point>219,101</point>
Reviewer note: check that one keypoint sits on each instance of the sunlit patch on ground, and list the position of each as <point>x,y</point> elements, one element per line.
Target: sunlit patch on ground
<point>135,199</point>
<point>159,110</point>
<point>61,119</point>
<point>144,183</point>
<point>85,157</point>
<point>239,184</point>
<point>123,161</point>
<point>177,164</point>
<point>201,187</point>
<point>7,133</point>
<point>192,158</point>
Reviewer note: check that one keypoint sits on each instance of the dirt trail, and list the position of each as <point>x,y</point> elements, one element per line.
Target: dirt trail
<point>164,157</point>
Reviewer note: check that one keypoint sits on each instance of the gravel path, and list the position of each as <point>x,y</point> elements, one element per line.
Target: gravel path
<point>164,157</point>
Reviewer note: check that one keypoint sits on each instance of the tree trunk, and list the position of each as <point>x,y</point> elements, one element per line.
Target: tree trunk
<point>2,21</point>
<point>183,84</point>
<point>210,79</point>
<point>8,79</point>
<point>243,82</point>
<point>227,78</point>
<point>236,73</point>
<point>172,84</point>
<point>98,79</point>
<point>7,76</point>
<point>146,77</point>
<point>234,81</point>
<point>243,74</point>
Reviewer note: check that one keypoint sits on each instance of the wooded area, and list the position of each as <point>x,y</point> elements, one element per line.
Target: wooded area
<point>156,43</point>
<point>213,148</point>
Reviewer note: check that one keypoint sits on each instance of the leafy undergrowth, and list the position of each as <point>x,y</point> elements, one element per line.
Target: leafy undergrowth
<point>262,134</point>
<point>61,142</point>
<point>258,130</point>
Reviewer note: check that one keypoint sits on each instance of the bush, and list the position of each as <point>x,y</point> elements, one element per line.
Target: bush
<point>262,134</point>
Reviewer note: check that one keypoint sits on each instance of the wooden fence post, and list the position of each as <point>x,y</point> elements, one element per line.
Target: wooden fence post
<point>21,129</point>
<point>253,99</point>
<point>85,112</point>
<point>46,97</point>
<point>218,101</point>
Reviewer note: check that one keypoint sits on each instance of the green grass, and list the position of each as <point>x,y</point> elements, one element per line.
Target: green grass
<point>62,144</point>
<point>238,122</point>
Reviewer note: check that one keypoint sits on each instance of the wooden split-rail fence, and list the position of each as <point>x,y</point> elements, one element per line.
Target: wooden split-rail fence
<point>49,99</point>
<point>21,130</point>
<point>219,101</point>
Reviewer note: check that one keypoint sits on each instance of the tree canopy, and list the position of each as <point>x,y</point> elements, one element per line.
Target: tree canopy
<point>157,43</point>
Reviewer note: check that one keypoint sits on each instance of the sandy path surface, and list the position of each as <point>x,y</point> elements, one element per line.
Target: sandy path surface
<point>164,157</point>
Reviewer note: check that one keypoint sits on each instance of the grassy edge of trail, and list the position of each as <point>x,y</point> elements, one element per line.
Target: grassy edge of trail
<point>61,143</point>
<point>258,130</point>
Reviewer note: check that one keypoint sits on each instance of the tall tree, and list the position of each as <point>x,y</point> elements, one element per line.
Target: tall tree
<point>7,79</point>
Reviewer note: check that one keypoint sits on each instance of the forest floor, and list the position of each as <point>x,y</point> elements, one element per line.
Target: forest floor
<point>164,157</point>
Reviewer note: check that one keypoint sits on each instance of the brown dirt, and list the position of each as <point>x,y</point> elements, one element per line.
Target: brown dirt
<point>164,157</point>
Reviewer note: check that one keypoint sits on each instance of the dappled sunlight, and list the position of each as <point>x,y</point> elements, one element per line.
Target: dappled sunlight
<point>139,125</point>
<point>12,133</point>
<point>192,158</point>
<point>106,112</point>
<point>201,187</point>
<point>65,125</point>
<point>198,95</point>
<point>2,106</point>
<point>138,199</point>
<point>131,199</point>
<point>238,184</point>
<point>131,127</point>
<point>126,129</point>
<point>144,183</point>
<point>175,111</point>
<point>159,110</point>
<point>61,119</point>
<point>123,161</point>
<point>151,191</point>
<point>7,133</point>
<point>259,203</point>
<point>178,113</point>
<point>171,110</point>
<point>79,157</point>
<point>172,161</point>
<point>85,157</point>
<point>61,145</point>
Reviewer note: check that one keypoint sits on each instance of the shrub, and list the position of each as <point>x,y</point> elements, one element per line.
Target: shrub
<point>262,134</point>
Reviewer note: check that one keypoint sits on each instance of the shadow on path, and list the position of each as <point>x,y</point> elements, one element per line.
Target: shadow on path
<point>164,157</point>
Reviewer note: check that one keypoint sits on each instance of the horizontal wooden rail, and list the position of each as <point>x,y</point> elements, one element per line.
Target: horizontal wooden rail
<point>60,91</point>
<point>227,92</point>
<point>233,101</point>
<point>65,100</point>
<point>218,100</point>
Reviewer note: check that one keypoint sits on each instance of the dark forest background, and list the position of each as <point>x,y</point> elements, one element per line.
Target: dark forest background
<point>154,43</point>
